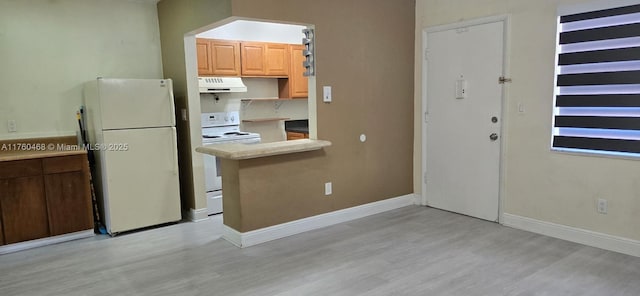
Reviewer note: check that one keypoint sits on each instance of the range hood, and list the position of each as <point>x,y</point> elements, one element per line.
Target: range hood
<point>221,84</point>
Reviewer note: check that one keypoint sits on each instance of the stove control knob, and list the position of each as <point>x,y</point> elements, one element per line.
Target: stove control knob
<point>233,119</point>
<point>226,118</point>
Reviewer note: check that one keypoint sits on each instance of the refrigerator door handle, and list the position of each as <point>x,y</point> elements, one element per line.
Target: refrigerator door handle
<point>172,105</point>
<point>175,151</point>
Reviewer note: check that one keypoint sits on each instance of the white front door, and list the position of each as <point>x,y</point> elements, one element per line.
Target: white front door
<point>463,119</point>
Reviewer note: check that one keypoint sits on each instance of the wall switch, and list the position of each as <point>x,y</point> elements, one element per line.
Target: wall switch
<point>326,94</point>
<point>11,126</point>
<point>602,206</point>
<point>520,108</point>
<point>327,188</point>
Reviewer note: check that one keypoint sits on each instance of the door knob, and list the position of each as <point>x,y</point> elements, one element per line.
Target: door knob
<point>493,137</point>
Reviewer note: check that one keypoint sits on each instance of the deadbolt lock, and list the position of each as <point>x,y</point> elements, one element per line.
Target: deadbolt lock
<point>493,137</point>
<point>494,119</point>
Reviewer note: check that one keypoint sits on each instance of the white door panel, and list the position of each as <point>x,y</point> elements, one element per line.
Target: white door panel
<point>136,103</point>
<point>142,182</point>
<point>462,162</point>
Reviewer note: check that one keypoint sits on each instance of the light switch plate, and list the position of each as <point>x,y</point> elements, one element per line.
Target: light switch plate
<point>326,94</point>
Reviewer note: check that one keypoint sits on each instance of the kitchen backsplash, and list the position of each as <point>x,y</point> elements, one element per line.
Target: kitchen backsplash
<point>258,88</point>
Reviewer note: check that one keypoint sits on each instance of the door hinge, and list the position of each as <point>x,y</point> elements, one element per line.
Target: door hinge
<point>425,178</point>
<point>426,117</point>
<point>503,80</point>
<point>426,54</point>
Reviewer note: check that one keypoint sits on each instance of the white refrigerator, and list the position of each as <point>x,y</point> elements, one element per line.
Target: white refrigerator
<point>132,132</point>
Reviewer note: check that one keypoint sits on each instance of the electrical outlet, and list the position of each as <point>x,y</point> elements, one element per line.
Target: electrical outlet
<point>327,188</point>
<point>12,126</point>
<point>602,206</point>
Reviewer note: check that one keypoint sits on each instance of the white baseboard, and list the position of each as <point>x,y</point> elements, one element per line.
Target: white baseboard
<point>45,241</point>
<point>417,199</point>
<point>576,235</point>
<point>254,237</point>
<point>198,215</point>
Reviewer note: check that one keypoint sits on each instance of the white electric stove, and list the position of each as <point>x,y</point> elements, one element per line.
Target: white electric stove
<point>220,128</point>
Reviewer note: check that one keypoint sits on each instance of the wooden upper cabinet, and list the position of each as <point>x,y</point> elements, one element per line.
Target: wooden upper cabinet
<point>253,58</point>
<point>299,83</point>
<point>264,59</point>
<point>277,59</point>
<point>296,85</point>
<point>225,57</point>
<point>218,57</point>
<point>203,50</point>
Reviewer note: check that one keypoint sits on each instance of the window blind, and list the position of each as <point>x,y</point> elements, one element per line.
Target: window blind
<point>597,101</point>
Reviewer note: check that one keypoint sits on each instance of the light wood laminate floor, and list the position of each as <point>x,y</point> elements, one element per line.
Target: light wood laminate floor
<point>410,251</point>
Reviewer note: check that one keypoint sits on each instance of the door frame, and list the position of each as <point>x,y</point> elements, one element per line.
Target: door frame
<point>505,19</point>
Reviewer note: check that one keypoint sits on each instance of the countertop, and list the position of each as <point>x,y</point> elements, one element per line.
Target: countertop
<point>30,148</point>
<point>237,151</point>
<point>31,154</point>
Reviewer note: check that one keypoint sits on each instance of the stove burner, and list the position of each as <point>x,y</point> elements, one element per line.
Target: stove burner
<point>210,137</point>
<point>235,134</point>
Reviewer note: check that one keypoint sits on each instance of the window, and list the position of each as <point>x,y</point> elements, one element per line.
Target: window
<point>597,94</point>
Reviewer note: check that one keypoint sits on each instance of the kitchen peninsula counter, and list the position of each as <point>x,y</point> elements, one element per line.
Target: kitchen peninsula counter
<point>250,203</point>
<point>237,151</point>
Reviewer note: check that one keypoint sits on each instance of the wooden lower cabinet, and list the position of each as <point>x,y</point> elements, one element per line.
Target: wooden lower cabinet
<point>44,197</point>
<point>1,231</point>
<point>24,209</point>
<point>296,136</point>
<point>67,202</point>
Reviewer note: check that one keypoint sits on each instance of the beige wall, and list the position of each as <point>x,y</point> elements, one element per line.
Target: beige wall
<point>540,184</point>
<point>368,62</point>
<point>49,48</point>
